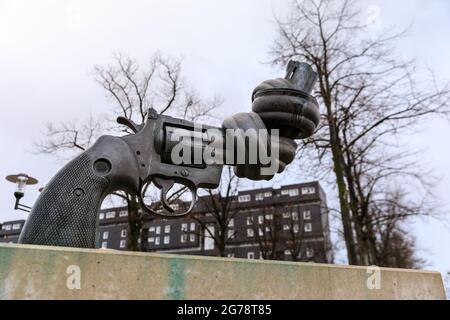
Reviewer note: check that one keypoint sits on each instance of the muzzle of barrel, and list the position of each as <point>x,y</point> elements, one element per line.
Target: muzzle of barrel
<point>287,104</point>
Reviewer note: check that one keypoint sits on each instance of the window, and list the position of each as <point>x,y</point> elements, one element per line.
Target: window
<point>123,213</point>
<point>267,229</point>
<point>250,233</point>
<point>158,230</point>
<point>309,252</point>
<point>286,214</point>
<point>151,240</point>
<point>260,232</point>
<point>151,229</point>
<point>183,238</point>
<point>260,219</point>
<point>123,233</point>
<point>296,229</point>
<point>167,229</point>
<point>250,255</point>
<point>110,214</point>
<point>192,226</point>
<point>307,215</point>
<point>230,255</point>
<point>105,235</point>
<point>285,227</point>
<point>308,190</point>
<point>244,198</point>
<point>231,223</point>
<point>184,227</point>
<point>287,252</point>
<point>104,244</point>
<point>157,241</point>
<point>230,234</point>
<point>166,239</point>
<point>192,237</point>
<point>269,216</point>
<point>123,243</point>
<point>208,242</point>
<point>293,192</point>
<point>102,216</point>
<point>308,227</point>
<point>16,226</point>
<point>249,220</point>
<point>259,196</point>
<point>284,192</point>
<point>267,194</point>
<point>294,216</point>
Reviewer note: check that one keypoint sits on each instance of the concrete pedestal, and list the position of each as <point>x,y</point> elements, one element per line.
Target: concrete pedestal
<point>36,272</point>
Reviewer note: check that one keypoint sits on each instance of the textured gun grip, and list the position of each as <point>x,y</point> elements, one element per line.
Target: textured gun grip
<point>66,212</point>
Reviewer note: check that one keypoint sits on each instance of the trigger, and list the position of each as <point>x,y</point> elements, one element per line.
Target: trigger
<point>165,186</point>
<point>130,124</point>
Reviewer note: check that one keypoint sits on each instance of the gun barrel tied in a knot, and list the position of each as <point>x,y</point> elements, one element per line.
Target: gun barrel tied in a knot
<point>283,104</point>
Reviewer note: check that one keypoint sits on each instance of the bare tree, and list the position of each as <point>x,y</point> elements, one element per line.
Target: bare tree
<point>398,249</point>
<point>69,137</point>
<point>132,89</point>
<point>370,99</point>
<point>294,235</point>
<point>280,230</point>
<point>393,246</point>
<point>221,210</point>
<point>267,232</point>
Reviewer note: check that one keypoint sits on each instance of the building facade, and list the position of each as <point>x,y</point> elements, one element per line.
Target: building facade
<point>10,231</point>
<point>287,223</point>
<point>294,216</point>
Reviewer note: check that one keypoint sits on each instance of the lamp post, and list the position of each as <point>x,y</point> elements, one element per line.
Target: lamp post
<point>21,180</point>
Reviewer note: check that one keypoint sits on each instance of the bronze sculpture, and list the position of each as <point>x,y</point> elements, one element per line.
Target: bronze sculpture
<point>66,212</point>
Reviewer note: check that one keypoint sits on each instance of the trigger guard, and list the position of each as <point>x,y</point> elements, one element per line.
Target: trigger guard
<point>144,206</point>
<point>174,214</point>
<point>164,204</point>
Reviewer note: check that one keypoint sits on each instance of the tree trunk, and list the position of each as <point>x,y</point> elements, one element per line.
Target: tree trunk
<point>135,224</point>
<point>362,241</point>
<point>338,165</point>
<point>222,241</point>
<point>370,236</point>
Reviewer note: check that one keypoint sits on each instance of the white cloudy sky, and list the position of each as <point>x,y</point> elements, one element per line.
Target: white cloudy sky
<point>48,49</point>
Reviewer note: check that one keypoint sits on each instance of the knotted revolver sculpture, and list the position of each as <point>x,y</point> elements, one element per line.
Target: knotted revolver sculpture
<point>66,213</point>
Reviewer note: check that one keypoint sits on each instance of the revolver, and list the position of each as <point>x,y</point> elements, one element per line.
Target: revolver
<point>66,212</point>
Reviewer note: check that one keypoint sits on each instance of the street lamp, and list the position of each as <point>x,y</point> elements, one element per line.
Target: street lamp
<point>21,180</point>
